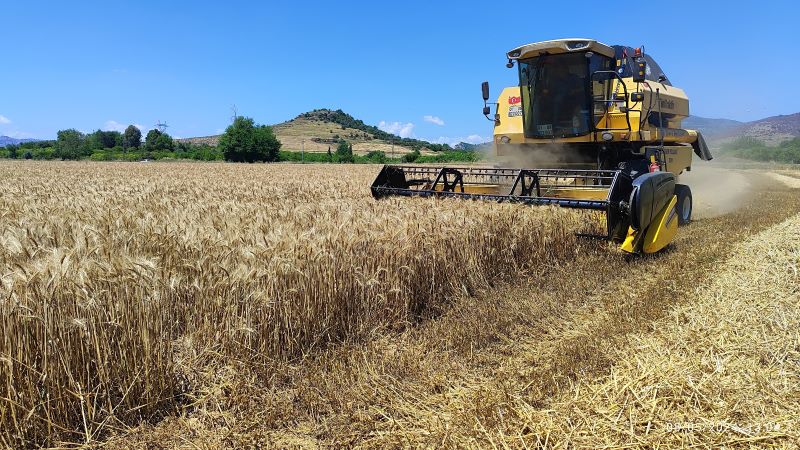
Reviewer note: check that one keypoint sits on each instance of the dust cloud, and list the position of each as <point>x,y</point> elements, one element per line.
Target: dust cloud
<point>716,190</point>
<point>545,156</point>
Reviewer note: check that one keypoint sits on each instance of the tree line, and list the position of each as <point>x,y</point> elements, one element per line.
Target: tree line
<point>71,144</point>
<point>787,152</point>
<point>243,141</point>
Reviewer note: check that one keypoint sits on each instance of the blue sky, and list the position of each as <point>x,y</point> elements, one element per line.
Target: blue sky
<point>412,67</point>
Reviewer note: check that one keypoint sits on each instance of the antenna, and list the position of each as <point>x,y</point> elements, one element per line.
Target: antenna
<point>161,126</point>
<point>235,112</point>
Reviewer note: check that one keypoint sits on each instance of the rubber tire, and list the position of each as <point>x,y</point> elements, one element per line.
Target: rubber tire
<point>684,205</point>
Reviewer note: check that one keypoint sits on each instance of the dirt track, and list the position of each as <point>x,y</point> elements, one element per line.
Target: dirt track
<point>473,376</point>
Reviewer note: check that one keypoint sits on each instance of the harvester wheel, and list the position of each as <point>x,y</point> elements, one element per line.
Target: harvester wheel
<point>684,204</point>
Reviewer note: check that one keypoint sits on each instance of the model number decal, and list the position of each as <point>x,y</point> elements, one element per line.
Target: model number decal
<point>514,111</point>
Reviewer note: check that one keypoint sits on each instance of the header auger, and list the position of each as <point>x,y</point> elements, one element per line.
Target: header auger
<point>602,123</point>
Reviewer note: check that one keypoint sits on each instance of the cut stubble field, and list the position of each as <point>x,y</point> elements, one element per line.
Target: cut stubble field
<point>218,305</point>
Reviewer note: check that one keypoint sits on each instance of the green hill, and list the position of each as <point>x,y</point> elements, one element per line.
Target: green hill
<point>317,130</point>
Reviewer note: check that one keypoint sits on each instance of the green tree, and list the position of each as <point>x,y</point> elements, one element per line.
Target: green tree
<point>110,139</point>
<point>164,143</point>
<point>132,138</point>
<point>91,143</point>
<point>244,141</point>
<point>377,156</point>
<point>150,140</point>
<point>13,151</point>
<point>344,152</point>
<point>156,141</point>
<point>412,156</point>
<point>69,144</point>
<point>100,140</point>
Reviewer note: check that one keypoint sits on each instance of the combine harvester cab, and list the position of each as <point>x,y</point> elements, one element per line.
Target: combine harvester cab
<point>610,122</point>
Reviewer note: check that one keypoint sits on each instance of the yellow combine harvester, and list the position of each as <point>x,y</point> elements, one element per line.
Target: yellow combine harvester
<point>602,125</point>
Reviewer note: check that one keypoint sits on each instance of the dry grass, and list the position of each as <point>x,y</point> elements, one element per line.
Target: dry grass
<point>297,133</point>
<point>134,291</point>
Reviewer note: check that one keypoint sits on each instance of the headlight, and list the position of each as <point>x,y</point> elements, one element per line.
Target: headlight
<point>505,139</point>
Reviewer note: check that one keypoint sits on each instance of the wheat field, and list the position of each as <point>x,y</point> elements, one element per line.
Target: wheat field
<point>179,305</point>
<point>122,281</point>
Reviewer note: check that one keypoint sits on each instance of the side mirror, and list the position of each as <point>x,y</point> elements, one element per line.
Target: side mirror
<point>486,109</point>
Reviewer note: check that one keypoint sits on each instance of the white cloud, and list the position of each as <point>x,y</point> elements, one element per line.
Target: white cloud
<point>403,130</point>
<point>113,125</point>
<point>434,120</point>
<point>476,139</point>
<point>4,120</point>
<point>453,140</point>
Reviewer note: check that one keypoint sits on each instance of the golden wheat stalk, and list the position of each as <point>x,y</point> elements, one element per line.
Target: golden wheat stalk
<point>114,275</point>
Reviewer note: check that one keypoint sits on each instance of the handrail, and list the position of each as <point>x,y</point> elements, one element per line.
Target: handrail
<point>606,101</point>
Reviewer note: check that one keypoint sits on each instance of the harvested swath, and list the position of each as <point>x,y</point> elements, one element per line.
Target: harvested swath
<point>789,178</point>
<point>722,371</point>
<point>121,280</point>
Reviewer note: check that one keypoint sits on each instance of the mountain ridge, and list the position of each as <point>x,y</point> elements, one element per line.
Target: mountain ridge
<point>771,130</point>
<point>8,140</point>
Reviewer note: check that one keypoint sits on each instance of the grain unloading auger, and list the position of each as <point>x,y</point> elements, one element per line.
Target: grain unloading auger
<point>603,125</point>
